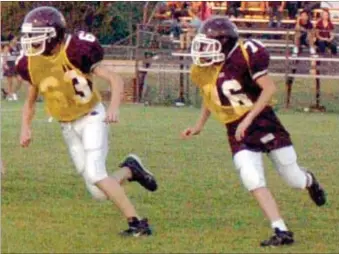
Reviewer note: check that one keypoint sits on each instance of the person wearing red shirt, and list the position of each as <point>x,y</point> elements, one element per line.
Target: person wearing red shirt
<point>324,33</point>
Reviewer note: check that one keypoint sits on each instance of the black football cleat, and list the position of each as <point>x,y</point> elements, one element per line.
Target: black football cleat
<point>279,238</point>
<point>137,228</point>
<point>139,172</point>
<point>316,192</point>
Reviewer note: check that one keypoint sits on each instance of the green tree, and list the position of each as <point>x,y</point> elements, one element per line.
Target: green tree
<point>113,20</point>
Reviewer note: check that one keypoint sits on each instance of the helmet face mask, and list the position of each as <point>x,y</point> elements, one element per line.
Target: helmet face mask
<point>206,51</point>
<point>34,39</point>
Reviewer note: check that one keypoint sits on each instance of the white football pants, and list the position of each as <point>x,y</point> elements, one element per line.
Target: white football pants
<point>250,167</point>
<point>87,141</point>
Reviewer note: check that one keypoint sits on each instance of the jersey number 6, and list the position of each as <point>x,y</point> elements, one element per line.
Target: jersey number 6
<point>236,100</point>
<point>86,36</point>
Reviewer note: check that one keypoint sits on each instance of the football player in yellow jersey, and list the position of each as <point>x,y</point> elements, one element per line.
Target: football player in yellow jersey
<point>60,66</point>
<point>233,78</point>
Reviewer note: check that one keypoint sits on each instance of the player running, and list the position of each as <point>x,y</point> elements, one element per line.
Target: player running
<point>60,66</point>
<point>233,78</point>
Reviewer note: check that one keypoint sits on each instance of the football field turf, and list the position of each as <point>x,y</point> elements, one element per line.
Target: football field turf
<point>200,205</point>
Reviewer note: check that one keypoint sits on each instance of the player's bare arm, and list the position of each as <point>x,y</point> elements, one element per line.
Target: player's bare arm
<point>268,89</point>
<point>282,6</point>
<point>117,88</point>
<point>27,116</point>
<point>204,116</point>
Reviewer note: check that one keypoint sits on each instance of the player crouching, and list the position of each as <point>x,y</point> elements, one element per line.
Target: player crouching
<point>60,66</point>
<point>233,78</point>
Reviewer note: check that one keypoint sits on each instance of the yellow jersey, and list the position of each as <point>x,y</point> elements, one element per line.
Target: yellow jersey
<point>65,79</point>
<point>229,89</point>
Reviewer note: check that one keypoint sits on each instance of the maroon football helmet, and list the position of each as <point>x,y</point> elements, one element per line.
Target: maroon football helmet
<point>215,38</point>
<point>43,29</point>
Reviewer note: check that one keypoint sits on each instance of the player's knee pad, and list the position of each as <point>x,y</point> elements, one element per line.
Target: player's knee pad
<point>95,166</point>
<point>250,167</point>
<point>285,161</point>
<point>96,193</point>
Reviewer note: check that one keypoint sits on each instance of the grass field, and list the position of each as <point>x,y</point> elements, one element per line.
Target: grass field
<point>200,205</point>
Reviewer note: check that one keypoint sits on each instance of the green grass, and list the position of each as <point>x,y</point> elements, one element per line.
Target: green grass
<point>200,206</point>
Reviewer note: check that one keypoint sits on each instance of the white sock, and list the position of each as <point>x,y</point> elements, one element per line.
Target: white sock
<point>279,224</point>
<point>309,179</point>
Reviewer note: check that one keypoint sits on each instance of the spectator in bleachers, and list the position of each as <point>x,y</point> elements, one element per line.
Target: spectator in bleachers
<point>166,14</point>
<point>309,6</point>
<point>233,8</point>
<point>304,33</point>
<point>292,9</point>
<point>193,25</point>
<point>162,12</point>
<point>324,33</point>
<point>275,10</point>
<point>184,16</point>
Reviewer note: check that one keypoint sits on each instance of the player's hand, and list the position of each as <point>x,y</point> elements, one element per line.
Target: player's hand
<point>189,132</point>
<point>112,115</point>
<point>242,127</point>
<point>25,137</point>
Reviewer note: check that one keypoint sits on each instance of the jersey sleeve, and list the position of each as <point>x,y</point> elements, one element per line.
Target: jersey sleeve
<point>84,51</point>
<point>21,66</point>
<point>259,59</point>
